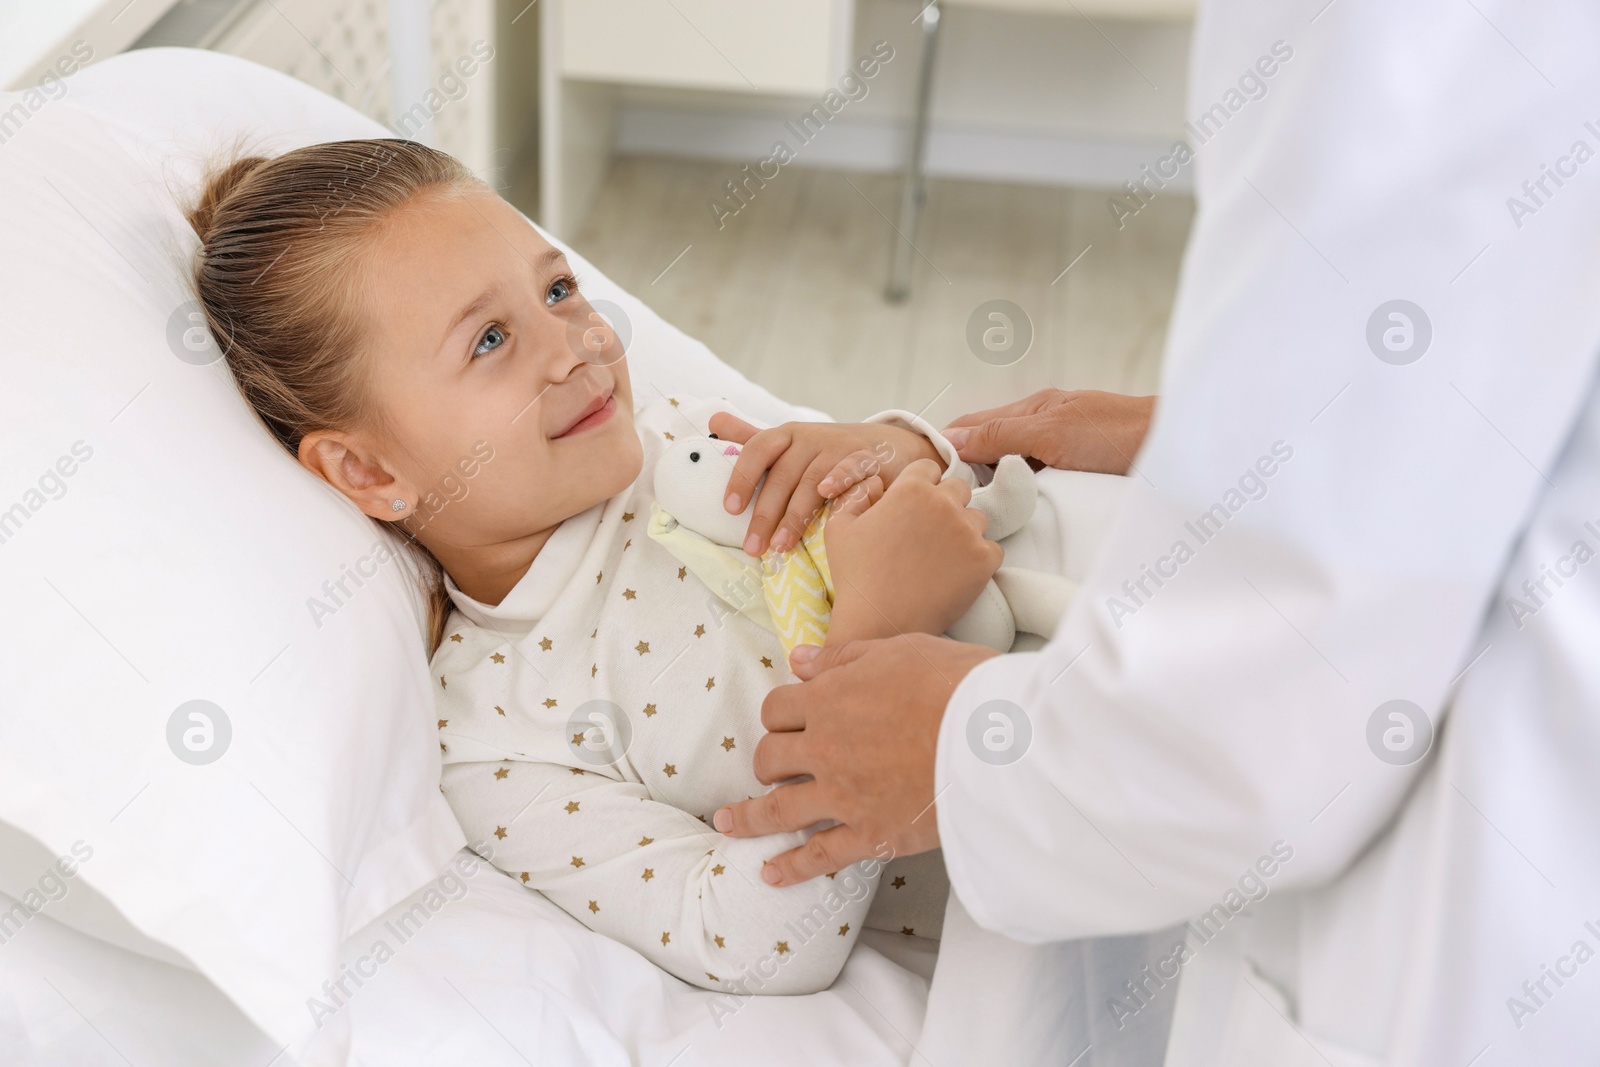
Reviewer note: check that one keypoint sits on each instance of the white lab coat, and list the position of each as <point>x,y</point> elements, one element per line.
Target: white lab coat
<point>1177,745</point>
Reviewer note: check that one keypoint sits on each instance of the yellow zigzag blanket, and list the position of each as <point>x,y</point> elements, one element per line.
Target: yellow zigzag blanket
<point>789,593</point>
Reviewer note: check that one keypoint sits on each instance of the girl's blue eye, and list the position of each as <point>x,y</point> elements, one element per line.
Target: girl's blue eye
<point>559,290</point>
<point>493,337</point>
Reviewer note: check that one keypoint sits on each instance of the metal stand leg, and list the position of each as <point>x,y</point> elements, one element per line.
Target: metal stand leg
<point>912,192</point>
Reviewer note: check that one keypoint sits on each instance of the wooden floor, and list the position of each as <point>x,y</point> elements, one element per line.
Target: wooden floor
<point>790,289</point>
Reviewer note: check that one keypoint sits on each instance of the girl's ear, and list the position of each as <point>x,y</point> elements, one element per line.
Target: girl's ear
<point>337,459</point>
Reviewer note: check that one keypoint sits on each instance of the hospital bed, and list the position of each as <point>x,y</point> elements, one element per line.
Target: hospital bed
<point>287,886</point>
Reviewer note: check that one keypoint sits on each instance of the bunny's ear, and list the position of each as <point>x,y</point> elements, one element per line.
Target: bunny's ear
<point>1009,498</point>
<point>1037,599</point>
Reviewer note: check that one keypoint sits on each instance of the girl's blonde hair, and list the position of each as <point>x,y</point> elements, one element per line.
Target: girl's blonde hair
<point>280,277</point>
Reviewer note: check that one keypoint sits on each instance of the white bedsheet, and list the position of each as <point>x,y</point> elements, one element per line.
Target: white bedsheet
<point>490,974</point>
<point>496,976</point>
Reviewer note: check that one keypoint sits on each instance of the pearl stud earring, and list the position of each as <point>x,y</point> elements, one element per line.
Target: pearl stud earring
<point>398,505</point>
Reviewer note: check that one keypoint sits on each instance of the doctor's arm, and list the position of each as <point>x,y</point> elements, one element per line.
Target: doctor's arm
<point>1080,430</point>
<point>1351,434</point>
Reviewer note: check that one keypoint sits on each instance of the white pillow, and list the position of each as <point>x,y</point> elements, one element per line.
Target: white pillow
<point>157,547</point>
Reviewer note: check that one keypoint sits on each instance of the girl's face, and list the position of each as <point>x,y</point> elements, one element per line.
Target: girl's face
<point>503,397</point>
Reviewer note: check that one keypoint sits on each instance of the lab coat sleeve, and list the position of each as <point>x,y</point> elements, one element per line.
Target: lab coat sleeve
<point>1386,323</point>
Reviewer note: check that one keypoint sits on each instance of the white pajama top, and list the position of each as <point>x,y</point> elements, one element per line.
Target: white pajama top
<point>594,719</point>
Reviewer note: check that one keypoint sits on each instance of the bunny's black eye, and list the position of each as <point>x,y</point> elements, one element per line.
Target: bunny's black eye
<point>713,436</point>
<point>694,457</point>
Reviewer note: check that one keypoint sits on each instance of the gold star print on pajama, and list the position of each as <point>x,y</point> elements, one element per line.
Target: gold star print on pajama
<point>610,648</point>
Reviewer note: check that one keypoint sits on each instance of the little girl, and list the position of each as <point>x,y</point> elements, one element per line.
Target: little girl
<point>399,327</point>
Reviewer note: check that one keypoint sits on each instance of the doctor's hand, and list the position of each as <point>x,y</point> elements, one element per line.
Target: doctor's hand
<point>864,724</point>
<point>1083,430</point>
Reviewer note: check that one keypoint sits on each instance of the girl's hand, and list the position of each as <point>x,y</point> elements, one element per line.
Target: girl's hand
<point>1083,430</point>
<point>912,562</point>
<point>805,464</point>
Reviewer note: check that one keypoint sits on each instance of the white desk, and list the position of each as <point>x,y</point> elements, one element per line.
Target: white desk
<point>588,48</point>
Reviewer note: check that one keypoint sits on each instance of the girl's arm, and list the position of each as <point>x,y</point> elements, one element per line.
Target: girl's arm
<point>659,880</point>
<point>805,463</point>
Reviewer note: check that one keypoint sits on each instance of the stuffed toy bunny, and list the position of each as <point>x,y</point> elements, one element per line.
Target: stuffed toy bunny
<point>791,593</point>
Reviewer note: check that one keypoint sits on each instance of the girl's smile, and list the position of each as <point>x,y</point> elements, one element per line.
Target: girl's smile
<point>452,266</point>
<point>599,410</point>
